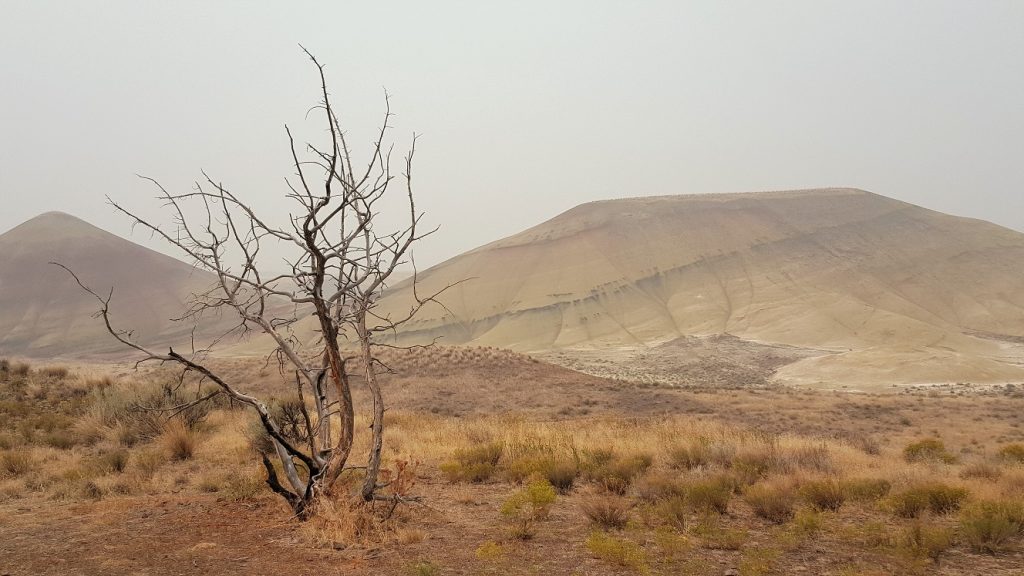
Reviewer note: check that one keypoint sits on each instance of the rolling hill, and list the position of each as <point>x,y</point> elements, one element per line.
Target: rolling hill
<point>885,290</point>
<point>43,313</point>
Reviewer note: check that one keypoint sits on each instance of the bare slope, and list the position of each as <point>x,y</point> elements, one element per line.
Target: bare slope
<point>44,313</point>
<point>888,287</point>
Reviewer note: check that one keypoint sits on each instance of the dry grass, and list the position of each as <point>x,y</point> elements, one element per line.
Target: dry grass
<point>720,491</point>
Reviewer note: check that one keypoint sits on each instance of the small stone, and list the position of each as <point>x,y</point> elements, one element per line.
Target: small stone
<point>731,572</point>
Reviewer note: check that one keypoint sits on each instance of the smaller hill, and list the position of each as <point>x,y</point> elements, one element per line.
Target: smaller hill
<point>43,313</point>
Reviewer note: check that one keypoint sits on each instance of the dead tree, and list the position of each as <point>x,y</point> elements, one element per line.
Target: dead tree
<point>340,263</point>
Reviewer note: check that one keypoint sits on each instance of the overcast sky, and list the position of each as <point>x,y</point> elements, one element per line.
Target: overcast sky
<point>525,108</point>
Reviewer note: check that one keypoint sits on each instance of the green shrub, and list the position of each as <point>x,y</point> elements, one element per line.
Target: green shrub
<point>1013,453</point>
<point>714,536</point>
<point>617,551</point>
<point>474,464</point>
<point>825,494</point>
<point>920,541</point>
<point>672,511</point>
<point>752,465</point>
<point>936,497</point>
<point>866,489</point>
<point>490,551</point>
<point>528,506</point>
<point>773,502</point>
<point>617,473</point>
<point>606,511</point>
<point>927,450</point>
<point>807,522</point>
<point>988,526</point>
<point>758,561</point>
<point>560,472</point>
<point>711,494</point>
<point>423,568</point>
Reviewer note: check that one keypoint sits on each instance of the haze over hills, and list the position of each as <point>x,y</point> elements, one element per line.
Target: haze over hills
<point>892,292</point>
<point>832,287</point>
<point>44,313</point>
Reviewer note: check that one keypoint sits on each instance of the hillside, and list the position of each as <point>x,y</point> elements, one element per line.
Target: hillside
<point>43,313</point>
<point>891,291</point>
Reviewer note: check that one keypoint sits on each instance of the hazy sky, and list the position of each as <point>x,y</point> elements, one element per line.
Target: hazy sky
<point>525,108</point>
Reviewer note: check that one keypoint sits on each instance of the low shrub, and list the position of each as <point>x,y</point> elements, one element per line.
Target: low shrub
<point>528,506</point>
<point>560,472</point>
<point>14,463</point>
<point>714,536</point>
<point>147,462</point>
<point>928,450</point>
<point>243,486</point>
<point>815,458</point>
<point>475,464</point>
<point>921,541</point>
<point>616,474</point>
<point>179,440</point>
<point>490,551</point>
<point>935,497</point>
<point>711,494</point>
<point>114,461</point>
<point>981,470</point>
<point>1013,453</point>
<point>54,372</point>
<point>807,522</point>
<point>672,511</point>
<point>989,525</point>
<point>606,511</point>
<point>773,502</point>
<point>824,494</point>
<point>91,490</point>
<point>653,487</point>
<point>423,568</point>
<point>689,456</point>
<point>866,489</point>
<point>617,551</point>
<point>758,561</point>
<point>60,439</point>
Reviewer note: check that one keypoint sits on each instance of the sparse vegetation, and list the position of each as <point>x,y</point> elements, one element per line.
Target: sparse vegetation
<point>824,494</point>
<point>774,502</point>
<point>528,506</point>
<point>988,526</point>
<point>928,450</point>
<point>607,511</point>
<point>652,509</point>
<point>935,497</point>
<point>617,551</point>
<point>1013,453</point>
<point>474,464</point>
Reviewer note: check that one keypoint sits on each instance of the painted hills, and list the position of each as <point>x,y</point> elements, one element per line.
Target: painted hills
<point>885,290</point>
<point>43,312</point>
<point>823,287</point>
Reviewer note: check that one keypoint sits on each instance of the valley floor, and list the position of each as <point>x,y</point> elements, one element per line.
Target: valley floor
<point>653,480</point>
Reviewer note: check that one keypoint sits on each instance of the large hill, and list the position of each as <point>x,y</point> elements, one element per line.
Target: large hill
<point>889,291</point>
<point>44,313</point>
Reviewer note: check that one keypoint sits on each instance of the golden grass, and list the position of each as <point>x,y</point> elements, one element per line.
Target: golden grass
<point>669,483</point>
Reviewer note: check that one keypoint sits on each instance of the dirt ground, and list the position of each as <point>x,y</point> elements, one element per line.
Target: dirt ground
<point>152,536</point>
<point>193,533</point>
